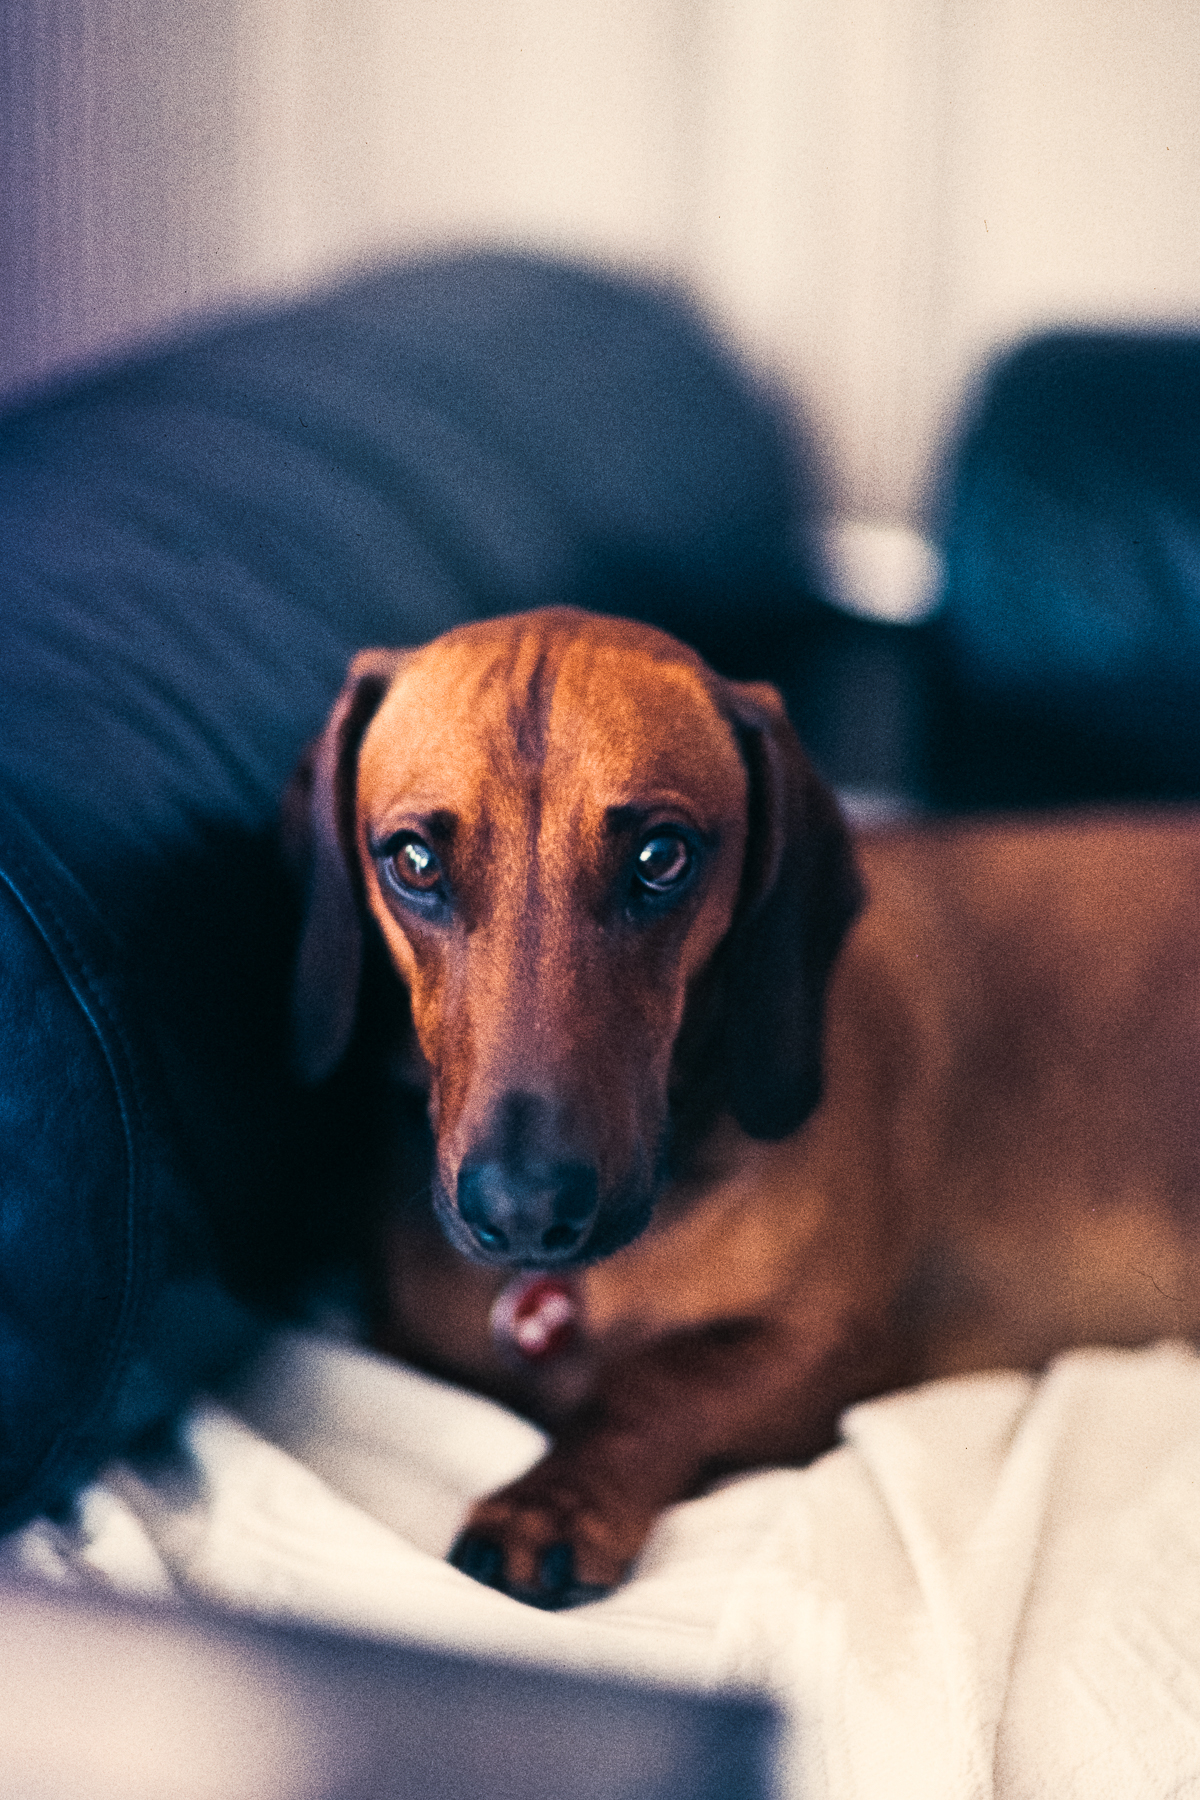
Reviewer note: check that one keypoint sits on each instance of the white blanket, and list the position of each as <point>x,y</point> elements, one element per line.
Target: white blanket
<point>992,1587</point>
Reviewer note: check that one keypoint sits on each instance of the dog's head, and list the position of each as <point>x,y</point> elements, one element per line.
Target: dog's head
<point>605,876</point>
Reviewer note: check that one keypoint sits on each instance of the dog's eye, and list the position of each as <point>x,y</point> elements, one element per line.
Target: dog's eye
<point>663,862</point>
<point>413,865</point>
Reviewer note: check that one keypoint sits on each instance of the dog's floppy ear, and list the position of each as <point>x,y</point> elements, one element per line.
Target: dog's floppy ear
<point>319,841</point>
<point>800,893</point>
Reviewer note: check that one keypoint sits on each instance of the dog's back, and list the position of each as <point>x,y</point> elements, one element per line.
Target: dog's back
<point>1054,975</point>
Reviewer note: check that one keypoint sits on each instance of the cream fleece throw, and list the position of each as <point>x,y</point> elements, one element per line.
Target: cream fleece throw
<point>992,1588</point>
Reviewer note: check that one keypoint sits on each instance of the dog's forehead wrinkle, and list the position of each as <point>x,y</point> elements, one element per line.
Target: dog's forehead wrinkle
<point>529,695</point>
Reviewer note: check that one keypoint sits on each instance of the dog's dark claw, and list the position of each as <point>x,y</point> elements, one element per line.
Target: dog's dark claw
<point>479,1558</point>
<point>557,1572</point>
<point>558,1585</point>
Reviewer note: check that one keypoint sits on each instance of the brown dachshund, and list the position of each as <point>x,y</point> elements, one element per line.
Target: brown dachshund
<point>701,1181</point>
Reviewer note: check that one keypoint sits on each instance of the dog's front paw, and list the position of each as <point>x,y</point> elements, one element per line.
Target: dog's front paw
<point>556,1586</point>
<point>545,1542</point>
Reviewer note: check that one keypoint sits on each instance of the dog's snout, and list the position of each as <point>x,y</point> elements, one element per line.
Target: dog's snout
<point>530,1216</point>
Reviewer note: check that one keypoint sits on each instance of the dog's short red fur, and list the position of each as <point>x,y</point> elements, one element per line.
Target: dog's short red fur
<point>1003,1159</point>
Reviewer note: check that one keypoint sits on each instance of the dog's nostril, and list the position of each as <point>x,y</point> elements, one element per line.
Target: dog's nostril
<point>477,1211</point>
<point>489,1236</point>
<point>560,1237</point>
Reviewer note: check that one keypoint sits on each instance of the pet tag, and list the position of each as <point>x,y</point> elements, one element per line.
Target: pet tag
<point>536,1315</point>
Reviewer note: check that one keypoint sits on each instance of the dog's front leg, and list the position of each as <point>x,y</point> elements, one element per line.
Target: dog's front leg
<point>660,1425</point>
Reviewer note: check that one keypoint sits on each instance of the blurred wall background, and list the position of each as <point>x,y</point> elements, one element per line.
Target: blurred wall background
<point>868,196</point>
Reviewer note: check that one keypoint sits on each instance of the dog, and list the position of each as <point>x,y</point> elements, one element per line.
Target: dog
<point>706,1119</point>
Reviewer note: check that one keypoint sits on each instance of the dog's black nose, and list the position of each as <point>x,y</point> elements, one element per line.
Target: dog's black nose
<point>529,1216</point>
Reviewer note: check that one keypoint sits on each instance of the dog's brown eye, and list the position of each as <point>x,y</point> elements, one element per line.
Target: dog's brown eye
<point>414,865</point>
<point>663,862</point>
